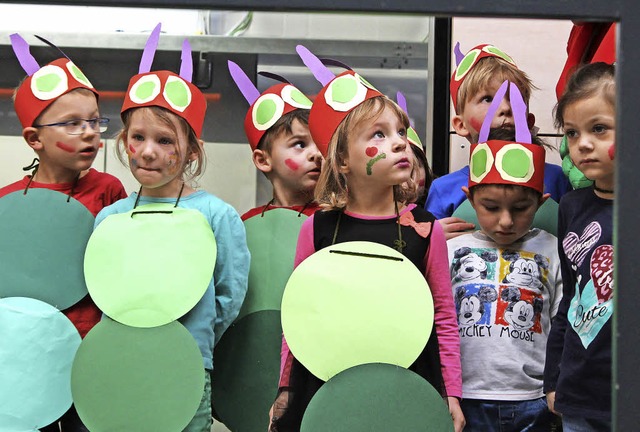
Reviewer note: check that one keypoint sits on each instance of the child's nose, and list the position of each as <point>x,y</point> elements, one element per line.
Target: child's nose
<point>504,110</point>
<point>506,220</point>
<point>399,144</point>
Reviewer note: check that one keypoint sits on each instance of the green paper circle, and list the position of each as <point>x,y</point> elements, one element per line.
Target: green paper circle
<point>42,242</point>
<point>77,74</point>
<point>271,239</point>
<point>49,82</point>
<point>129,379</point>
<point>265,111</point>
<point>245,376</point>
<point>546,217</point>
<point>177,93</point>
<point>465,65</point>
<point>377,397</point>
<point>516,163</point>
<point>36,353</point>
<point>344,89</point>
<point>341,310</point>
<point>146,89</point>
<point>479,162</point>
<point>148,269</point>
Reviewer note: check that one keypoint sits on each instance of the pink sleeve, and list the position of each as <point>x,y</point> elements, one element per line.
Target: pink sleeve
<point>446,323</point>
<point>304,249</point>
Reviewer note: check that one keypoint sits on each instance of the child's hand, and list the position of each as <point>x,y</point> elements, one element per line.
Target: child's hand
<point>278,409</point>
<point>456,413</point>
<point>551,402</point>
<point>454,226</point>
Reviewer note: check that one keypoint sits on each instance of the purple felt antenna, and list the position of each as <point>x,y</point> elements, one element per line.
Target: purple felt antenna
<point>402,103</point>
<point>458,54</point>
<point>247,88</point>
<point>491,112</point>
<point>315,65</point>
<point>519,109</point>
<point>150,50</point>
<point>186,63</point>
<point>21,49</point>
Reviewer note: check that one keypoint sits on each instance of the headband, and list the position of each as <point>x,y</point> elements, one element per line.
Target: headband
<point>338,97</point>
<point>43,85</point>
<point>507,162</point>
<point>166,89</point>
<point>266,108</point>
<point>466,62</point>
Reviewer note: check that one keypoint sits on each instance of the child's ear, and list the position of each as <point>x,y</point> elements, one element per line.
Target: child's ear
<point>459,127</point>
<point>262,161</point>
<point>531,120</point>
<point>32,137</point>
<point>469,196</point>
<point>343,166</point>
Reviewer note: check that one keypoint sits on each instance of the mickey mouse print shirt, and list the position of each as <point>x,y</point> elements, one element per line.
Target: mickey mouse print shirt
<point>505,299</point>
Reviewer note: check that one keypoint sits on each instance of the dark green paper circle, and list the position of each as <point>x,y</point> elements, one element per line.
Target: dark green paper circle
<point>130,379</point>
<point>271,239</point>
<point>246,370</point>
<point>377,397</point>
<point>42,242</point>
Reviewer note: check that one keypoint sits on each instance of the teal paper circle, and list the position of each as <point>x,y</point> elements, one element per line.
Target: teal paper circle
<point>148,269</point>
<point>36,354</point>
<point>42,242</point>
<point>271,239</point>
<point>245,376</point>
<point>377,398</point>
<point>130,379</point>
<point>354,303</point>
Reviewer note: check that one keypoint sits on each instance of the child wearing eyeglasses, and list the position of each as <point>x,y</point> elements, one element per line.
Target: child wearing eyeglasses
<point>61,122</point>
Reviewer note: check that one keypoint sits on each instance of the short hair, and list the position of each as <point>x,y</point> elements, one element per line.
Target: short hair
<point>283,124</point>
<point>191,170</point>
<point>487,70</point>
<point>587,81</point>
<point>331,191</point>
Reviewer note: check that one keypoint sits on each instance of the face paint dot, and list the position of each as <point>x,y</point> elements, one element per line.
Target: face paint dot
<point>131,149</point>
<point>291,164</point>
<point>371,151</point>
<point>65,147</point>
<point>612,151</point>
<point>475,124</point>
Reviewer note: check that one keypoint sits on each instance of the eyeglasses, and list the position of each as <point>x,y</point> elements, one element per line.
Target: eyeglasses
<point>78,126</point>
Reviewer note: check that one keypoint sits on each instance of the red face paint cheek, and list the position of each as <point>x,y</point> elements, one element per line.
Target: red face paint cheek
<point>291,164</point>
<point>475,124</point>
<point>371,151</point>
<point>612,151</point>
<point>131,149</point>
<point>65,147</point>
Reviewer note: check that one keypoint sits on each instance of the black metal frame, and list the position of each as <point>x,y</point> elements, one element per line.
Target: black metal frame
<point>626,385</point>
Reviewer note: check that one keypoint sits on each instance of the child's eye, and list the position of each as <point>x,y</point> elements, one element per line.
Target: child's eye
<point>570,133</point>
<point>299,144</point>
<point>137,137</point>
<point>487,99</point>
<point>165,141</point>
<point>402,132</point>
<point>378,134</point>
<point>490,208</point>
<point>599,129</point>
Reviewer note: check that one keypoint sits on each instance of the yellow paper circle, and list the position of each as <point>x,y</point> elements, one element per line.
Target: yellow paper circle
<point>151,265</point>
<point>354,303</point>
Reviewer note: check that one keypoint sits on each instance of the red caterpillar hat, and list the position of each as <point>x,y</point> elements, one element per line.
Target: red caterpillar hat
<point>43,84</point>
<point>266,108</point>
<point>504,162</point>
<point>466,62</point>
<point>335,101</point>
<point>166,89</point>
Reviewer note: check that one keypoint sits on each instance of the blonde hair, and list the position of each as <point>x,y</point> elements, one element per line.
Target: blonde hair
<point>487,70</point>
<point>331,191</point>
<point>191,170</point>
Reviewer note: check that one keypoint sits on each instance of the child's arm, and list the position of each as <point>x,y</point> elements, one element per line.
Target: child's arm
<point>231,272</point>
<point>446,323</point>
<point>555,342</point>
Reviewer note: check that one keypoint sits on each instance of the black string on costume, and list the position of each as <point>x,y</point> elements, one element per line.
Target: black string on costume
<point>155,211</point>
<point>34,165</point>
<point>270,203</point>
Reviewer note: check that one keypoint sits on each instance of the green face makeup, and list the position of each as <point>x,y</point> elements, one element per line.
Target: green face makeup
<point>373,161</point>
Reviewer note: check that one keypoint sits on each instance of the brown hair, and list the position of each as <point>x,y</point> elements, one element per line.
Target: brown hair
<point>191,170</point>
<point>487,70</point>
<point>587,81</point>
<point>331,191</point>
<point>283,125</point>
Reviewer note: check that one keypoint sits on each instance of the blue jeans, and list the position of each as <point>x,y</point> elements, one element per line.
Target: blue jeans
<point>581,424</point>
<point>507,416</point>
